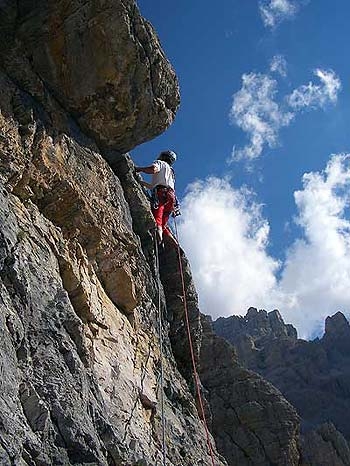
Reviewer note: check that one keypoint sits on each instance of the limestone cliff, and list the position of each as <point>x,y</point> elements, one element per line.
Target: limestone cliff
<point>80,346</point>
<point>81,82</point>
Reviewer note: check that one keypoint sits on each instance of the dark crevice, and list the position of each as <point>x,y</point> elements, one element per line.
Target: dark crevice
<point>241,449</point>
<point>4,446</point>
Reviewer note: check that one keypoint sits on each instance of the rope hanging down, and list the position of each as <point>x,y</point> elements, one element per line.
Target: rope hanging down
<point>195,373</point>
<point>161,353</point>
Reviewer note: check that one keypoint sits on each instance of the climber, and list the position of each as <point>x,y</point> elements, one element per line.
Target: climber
<point>164,202</point>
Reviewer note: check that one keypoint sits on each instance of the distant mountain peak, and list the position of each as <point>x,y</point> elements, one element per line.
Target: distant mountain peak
<point>256,323</point>
<point>313,375</point>
<point>336,325</point>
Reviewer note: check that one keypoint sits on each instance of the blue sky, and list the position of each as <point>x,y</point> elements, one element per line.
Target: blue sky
<point>212,47</point>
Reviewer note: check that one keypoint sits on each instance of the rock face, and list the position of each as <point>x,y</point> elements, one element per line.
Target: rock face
<point>251,422</point>
<point>314,376</point>
<point>325,446</point>
<point>254,331</point>
<point>79,353</point>
<point>79,348</point>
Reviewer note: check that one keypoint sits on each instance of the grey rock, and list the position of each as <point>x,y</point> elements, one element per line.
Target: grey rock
<point>325,446</point>
<point>336,338</point>
<point>171,279</point>
<point>313,375</point>
<point>78,300</point>
<point>251,421</point>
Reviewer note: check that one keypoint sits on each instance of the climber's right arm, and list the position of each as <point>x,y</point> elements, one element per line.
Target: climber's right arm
<point>150,170</point>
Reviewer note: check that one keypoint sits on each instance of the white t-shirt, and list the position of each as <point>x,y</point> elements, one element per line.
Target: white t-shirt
<point>164,176</point>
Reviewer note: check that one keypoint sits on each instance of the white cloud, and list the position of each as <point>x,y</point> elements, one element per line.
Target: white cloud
<point>255,111</point>
<point>313,95</point>
<point>317,269</point>
<point>226,238</point>
<point>274,12</point>
<point>278,65</point>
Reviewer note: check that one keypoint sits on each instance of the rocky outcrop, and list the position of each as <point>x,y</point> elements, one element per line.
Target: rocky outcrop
<point>99,60</point>
<point>251,421</point>
<point>251,333</point>
<point>313,375</point>
<point>325,446</point>
<point>336,339</point>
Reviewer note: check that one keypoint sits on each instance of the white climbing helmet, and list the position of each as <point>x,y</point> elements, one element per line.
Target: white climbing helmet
<point>168,156</point>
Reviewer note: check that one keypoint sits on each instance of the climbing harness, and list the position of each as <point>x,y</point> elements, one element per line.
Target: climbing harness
<point>195,373</point>
<point>160,195</point>
<point>160,320</point>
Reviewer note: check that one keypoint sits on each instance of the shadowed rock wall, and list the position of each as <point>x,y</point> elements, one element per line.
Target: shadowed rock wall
<point>314,376</point>
<point>250,420</point>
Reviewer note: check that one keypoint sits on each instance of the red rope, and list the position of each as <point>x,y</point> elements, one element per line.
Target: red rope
<point>196,378</point>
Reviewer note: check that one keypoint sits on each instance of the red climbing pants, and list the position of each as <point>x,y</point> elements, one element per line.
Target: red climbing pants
<point>165,200</point>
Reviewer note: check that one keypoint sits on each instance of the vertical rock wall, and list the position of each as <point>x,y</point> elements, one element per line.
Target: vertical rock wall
<point>80,358</point>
